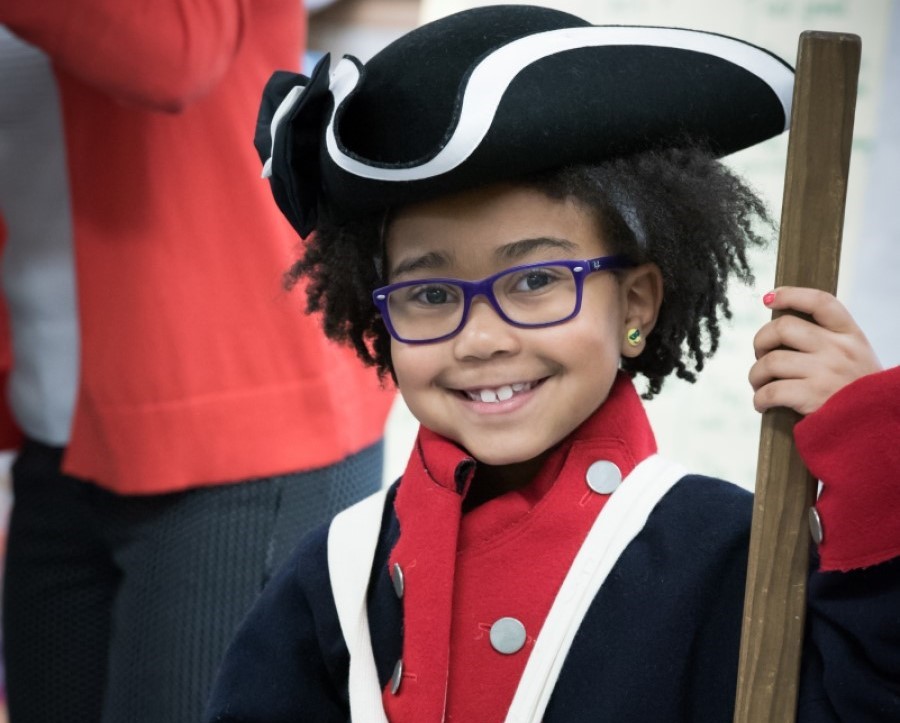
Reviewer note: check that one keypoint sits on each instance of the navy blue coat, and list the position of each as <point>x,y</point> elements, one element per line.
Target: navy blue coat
<point>659,642</point>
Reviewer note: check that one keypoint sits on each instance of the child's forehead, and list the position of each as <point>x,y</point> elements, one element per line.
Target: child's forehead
<point>500,225</point>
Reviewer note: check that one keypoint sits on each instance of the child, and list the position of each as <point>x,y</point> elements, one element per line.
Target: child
<point>536,203</point>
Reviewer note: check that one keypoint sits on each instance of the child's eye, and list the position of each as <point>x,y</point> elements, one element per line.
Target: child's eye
<point>534,279</point>
<point>432,295</point>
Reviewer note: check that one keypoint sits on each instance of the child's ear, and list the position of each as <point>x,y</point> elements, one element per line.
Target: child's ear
<point>642,293</point>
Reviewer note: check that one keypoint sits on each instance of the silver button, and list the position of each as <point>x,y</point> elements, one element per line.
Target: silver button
<point>397,579</point>
<point>396,677</point>
<point>604,477</point>
<point>507,636</point>
<point>815,526</point>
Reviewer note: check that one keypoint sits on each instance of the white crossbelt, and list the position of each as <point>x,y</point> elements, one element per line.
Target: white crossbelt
<point>351,549</point>
<point>352,539</point>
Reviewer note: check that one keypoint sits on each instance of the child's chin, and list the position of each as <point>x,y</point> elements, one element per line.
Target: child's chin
<point>496,458</point>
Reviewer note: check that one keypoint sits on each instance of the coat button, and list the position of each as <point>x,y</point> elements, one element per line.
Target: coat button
<point>397,579</point>
<point>815,526</point>
<point>396,677</point>
<point>507,636</point>
<point>604,477</point>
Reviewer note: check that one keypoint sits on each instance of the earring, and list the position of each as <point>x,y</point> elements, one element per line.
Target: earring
<point>633,337</point>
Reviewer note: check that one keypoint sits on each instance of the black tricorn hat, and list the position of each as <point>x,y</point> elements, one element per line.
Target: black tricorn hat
<point>500,92</point>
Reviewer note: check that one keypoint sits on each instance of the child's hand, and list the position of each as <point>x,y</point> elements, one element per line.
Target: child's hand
<point>800,364</point>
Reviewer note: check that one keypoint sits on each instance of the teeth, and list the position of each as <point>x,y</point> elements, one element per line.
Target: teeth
<point>500,394</point>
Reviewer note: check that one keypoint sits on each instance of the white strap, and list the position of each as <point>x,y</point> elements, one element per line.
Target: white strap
<point>351,549</point>
<point>621,519</point>
<point>352,539</point>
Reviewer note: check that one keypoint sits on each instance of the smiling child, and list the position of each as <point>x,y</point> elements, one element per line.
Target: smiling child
<point>517,213</point>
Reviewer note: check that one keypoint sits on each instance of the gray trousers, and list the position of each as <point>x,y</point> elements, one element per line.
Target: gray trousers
<point>118,609</point>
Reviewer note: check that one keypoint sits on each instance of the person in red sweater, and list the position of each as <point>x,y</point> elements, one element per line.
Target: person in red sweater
<point>182,420</point>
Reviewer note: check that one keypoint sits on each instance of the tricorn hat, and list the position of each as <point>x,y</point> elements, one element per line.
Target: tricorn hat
<point>500,92</point>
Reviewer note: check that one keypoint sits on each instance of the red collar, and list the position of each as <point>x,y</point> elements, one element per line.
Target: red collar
<point>620,423</point>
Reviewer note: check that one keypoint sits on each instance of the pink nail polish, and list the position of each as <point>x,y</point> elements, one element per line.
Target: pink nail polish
<point>769,298</point>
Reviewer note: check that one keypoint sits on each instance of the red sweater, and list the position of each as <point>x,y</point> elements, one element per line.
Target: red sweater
<point>196,368</point>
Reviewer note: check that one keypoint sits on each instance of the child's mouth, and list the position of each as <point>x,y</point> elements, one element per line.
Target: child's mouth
<point>492,395</point>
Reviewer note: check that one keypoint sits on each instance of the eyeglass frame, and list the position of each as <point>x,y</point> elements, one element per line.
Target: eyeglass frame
<point>580,268</point>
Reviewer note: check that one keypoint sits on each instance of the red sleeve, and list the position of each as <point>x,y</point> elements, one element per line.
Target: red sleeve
<point>852,444</point>
<point>156,53</point>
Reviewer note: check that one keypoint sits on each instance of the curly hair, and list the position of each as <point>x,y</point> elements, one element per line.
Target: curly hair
<point>681,209</point>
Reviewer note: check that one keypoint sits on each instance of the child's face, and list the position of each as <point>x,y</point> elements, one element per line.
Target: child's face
<point>554,377</point>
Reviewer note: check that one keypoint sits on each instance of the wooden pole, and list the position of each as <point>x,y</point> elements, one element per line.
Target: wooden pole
<point>812,220</point>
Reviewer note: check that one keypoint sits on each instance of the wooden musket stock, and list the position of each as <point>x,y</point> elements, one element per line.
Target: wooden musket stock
<point>818,161</point>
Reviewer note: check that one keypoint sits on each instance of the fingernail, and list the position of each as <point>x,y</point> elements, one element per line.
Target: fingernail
<point>769,298</point>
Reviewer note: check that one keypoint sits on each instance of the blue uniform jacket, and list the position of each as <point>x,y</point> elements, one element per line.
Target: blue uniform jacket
<point>659,643</point>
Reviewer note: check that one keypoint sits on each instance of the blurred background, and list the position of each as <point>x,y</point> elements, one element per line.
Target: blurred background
<point>711,426</point>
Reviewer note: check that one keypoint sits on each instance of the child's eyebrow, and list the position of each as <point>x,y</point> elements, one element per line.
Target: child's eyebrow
<point>430,261</point>
<point>513,251</point>
<point>523,247</point>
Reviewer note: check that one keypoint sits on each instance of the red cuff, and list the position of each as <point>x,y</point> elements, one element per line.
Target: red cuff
<point>852,444</point>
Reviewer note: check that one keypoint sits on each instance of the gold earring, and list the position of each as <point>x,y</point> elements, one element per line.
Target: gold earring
<point>633,336</point>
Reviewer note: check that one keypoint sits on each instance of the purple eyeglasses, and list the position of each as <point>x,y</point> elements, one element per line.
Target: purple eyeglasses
<point>422,311</point>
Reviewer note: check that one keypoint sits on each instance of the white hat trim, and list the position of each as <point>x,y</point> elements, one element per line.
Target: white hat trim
<point>488,83</point>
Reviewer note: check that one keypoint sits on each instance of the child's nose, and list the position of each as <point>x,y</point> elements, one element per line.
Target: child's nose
<point>485,333</point>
